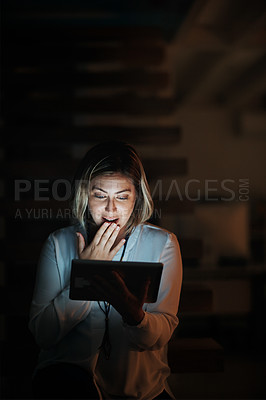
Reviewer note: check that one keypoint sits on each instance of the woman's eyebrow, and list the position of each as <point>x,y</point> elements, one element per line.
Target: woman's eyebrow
<point>98,188</point>
<point>120,191</point>
<point>124,190</point>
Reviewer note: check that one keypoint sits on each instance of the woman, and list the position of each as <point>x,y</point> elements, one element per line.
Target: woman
<point>115,349</point>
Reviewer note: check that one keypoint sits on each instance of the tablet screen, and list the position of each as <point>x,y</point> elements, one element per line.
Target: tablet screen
<point>135,275</point>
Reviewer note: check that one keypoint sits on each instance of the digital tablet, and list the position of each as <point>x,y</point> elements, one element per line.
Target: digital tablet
<point>135,275</point>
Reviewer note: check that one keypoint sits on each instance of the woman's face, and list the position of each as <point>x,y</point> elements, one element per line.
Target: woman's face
<point>112,199</point>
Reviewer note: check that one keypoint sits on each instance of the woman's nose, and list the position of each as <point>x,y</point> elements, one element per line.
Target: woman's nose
<point>110,205</point>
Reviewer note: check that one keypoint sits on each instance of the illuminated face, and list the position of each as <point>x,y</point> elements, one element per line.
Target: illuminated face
<point>112,199</point>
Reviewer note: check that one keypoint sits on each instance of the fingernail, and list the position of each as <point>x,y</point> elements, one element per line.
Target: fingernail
<point>77,234</point>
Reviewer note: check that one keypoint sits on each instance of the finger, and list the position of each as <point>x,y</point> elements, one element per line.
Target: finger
<point>106,237</point>
<point>143,293</point>
<point>117,248</point>
<point>112,236</point>
<point>145,290</point>
<point>100,232</point>
<point>81,242</point>
<point>120,283</point>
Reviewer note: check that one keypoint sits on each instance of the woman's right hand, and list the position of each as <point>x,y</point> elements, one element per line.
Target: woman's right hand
<point>101,247</point>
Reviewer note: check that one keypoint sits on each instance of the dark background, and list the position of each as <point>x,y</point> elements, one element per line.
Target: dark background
<point>185,83</point>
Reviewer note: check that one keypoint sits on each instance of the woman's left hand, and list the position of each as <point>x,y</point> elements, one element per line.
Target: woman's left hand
<point>125,302</point>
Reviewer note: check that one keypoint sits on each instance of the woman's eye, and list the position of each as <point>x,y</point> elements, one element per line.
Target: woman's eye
<point>102,196</point>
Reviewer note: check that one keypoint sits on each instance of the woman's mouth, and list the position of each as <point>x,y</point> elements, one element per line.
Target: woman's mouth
<point>110,220</point>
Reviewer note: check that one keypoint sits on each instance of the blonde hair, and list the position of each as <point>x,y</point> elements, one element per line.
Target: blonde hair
<point>108,158</point>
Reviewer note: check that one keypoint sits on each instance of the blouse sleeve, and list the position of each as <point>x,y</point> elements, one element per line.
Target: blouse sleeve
<point>52,313</point>
<point>160,320</point>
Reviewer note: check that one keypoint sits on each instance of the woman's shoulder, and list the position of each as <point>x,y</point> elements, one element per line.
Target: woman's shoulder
<point>62,244</point>
<point>156,232</point>
<point>65,233</point>
<point>147,226</point>
<point>152,242</point>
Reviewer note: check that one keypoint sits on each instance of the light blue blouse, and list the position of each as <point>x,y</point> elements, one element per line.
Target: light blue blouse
<point>72,331</point>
